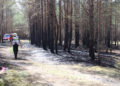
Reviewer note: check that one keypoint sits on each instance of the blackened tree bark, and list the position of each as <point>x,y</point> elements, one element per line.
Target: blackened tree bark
<point>52,24</point>
<point>91,25</point>
<point>77,12</point>
<point>66,25</point>
<point>70,33</point>
<point>60,22</point>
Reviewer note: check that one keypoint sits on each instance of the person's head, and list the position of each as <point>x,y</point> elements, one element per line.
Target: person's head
<point>14,34</point>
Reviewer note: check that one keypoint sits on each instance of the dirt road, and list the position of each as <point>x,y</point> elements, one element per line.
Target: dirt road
<point>45,69</point>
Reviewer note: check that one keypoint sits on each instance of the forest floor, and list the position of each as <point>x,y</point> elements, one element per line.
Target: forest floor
<point>37,67</point>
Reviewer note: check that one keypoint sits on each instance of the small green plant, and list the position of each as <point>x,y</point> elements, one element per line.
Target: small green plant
<point>14,78</point>
<point>1,82</point>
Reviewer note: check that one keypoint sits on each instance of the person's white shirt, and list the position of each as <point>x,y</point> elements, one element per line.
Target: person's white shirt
<point>15,40</point>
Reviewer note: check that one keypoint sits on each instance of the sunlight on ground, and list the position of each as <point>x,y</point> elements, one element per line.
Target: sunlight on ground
<point>80,77</point>
<point>14,78</point>
<point>31,72</point>
<point>105,71</point>
<point>84,76</point>
<point>117,65</point>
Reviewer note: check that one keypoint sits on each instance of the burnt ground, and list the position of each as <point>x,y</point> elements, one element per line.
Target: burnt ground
<point>41,68</point>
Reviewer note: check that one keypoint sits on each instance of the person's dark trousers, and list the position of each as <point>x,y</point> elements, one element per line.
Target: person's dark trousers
<point>15,50</point>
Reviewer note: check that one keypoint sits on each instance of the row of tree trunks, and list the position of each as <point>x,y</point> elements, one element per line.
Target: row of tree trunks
<point>6,19</point>
<point>60,23</point>
<point>68,24</point>
<point>2,21</point>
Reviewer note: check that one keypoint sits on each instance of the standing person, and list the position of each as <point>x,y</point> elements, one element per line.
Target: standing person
<point>15,43</point>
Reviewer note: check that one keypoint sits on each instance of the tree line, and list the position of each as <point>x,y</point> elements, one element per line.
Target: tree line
<point>6,17</point>
<point>94,23</point>
<point>13,18</point>
<point>68,24</point>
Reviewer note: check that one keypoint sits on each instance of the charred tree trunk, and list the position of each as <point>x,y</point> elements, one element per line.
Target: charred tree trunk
<point>66,26</point>
<point>91,24</point>
<point>60,22</point>
<point>70,36</point>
